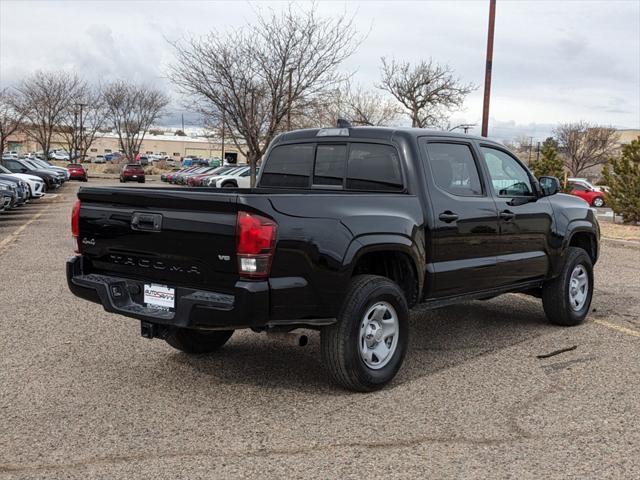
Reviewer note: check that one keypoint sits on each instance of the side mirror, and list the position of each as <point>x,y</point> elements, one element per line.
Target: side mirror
<point>549,185</point>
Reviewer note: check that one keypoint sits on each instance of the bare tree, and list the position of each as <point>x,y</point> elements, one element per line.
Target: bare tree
<point>44,99</point>
<point>253,77</point>
<point>584,145</point>
<point>355,104</point>
<point>365,107</point>
<point>428,91</point>
<point>10,116</point>
<point>132,109</point>
<point>83,119</point>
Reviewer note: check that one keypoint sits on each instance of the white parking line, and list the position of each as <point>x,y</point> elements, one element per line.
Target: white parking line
<point>4,244</point>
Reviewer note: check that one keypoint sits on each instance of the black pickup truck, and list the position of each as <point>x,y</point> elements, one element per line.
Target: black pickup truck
<point>346,231</point>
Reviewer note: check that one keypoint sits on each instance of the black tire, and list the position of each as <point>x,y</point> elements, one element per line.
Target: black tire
<point>121,180</point>
<point>597,201</point>
<point>340,342</point>
<point>555,293</point>
<point>197,341</point>
<point>140,181</point>
<point>229,185</point>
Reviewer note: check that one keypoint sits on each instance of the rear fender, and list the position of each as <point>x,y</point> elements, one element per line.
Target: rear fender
<point>386,242</point>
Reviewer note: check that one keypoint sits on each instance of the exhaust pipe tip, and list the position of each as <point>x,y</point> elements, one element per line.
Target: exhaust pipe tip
<point>292,338</point>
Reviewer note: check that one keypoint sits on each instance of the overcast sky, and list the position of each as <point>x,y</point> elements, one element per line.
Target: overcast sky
<point>554,61</point>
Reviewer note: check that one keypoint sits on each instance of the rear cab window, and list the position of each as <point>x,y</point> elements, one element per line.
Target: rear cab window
<point>352,166</point>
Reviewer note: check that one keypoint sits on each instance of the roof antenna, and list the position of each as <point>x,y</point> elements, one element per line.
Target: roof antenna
<point>343,123</point>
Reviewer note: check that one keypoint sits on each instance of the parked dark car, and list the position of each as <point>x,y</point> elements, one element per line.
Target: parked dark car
<point>7,196</point>
<point>347,229</point>
<point>77,172</point>
<point>132,172</point>
<point>10,194</point>
<point>21,188</point>
<point>51,180</point>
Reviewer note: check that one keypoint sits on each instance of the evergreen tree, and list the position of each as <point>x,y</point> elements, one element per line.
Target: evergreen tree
<point>623,179</point>
<point>549,164</point>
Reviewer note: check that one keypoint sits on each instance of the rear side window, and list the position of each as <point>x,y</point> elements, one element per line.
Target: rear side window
<point>373,167</point>
<point>454,169</point>
<point>289,166</point>
<point>330,165</point>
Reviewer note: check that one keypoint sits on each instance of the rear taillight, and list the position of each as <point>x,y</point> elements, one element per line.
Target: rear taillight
<point>256,237</point>
<point>75,226</point>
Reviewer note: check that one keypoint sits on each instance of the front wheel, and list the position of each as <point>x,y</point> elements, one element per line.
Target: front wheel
<point>197,341</point>
<point>598,202</point>
<point>365,348</point>
<point>566,299</point>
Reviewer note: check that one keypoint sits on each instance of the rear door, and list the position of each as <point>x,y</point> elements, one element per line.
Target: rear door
<point>525,219</point>
<point>465,235</point>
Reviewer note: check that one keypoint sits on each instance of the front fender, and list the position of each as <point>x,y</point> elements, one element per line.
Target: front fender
<point>573,228</point>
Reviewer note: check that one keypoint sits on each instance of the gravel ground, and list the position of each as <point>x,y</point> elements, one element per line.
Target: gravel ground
<point>84,396</point>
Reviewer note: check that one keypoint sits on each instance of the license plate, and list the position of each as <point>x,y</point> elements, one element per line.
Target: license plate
<point>135,176</point>
<point>159,296</point>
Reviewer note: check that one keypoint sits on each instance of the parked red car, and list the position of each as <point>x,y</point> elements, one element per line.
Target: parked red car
<point>132,172</point>
<point>592,195</point>
<point>77,172</point>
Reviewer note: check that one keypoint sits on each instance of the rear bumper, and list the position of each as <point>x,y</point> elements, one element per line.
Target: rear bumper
<point>247,306</point>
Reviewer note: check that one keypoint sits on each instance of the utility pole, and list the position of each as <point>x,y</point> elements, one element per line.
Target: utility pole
<point>488,67</point>
<point>182,115</point>
<point>538,152</point>
<point>530,147</point>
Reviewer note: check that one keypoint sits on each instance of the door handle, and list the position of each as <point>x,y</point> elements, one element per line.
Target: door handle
<point>507,215</point>
<point>448,216</point>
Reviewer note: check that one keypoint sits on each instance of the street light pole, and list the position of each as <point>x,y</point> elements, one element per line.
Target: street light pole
<point>289,101</point>
<point>81,105</point>
<point>488,67</point>
<point>224,117</point>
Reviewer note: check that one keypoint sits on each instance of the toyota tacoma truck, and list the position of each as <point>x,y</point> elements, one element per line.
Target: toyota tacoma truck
<point>346,231</point>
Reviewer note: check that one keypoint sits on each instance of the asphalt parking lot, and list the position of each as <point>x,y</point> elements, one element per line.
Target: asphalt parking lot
<point>84,396</point>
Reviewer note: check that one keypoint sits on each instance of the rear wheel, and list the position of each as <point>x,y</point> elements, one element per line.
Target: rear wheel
<point>364,350</point>
<point>566,299</point>
<point>197,341</point>
<point>229,185</point>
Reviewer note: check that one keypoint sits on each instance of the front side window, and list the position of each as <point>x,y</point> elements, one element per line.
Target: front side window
<point>289,166</point>
<point>454,169</point>
<point>508,177</point>
<point>373,167</point>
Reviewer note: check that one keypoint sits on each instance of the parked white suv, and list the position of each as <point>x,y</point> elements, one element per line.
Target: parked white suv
<point>239,177</point>
<point>36,185</point>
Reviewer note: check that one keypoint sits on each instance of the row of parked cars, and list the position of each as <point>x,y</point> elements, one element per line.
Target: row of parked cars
<point>24,179</point>
<point>226,176</point>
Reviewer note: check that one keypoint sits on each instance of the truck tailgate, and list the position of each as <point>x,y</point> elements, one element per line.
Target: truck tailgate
<point>170,236</point>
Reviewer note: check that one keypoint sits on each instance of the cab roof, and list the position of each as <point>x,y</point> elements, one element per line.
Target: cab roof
<point>380,133</point>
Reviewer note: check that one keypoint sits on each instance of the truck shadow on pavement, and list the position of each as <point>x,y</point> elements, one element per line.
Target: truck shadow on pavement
<point>440,339</point>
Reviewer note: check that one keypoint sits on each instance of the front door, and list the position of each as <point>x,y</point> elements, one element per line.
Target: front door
<point>525,219</point>
<point>464,233</point>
